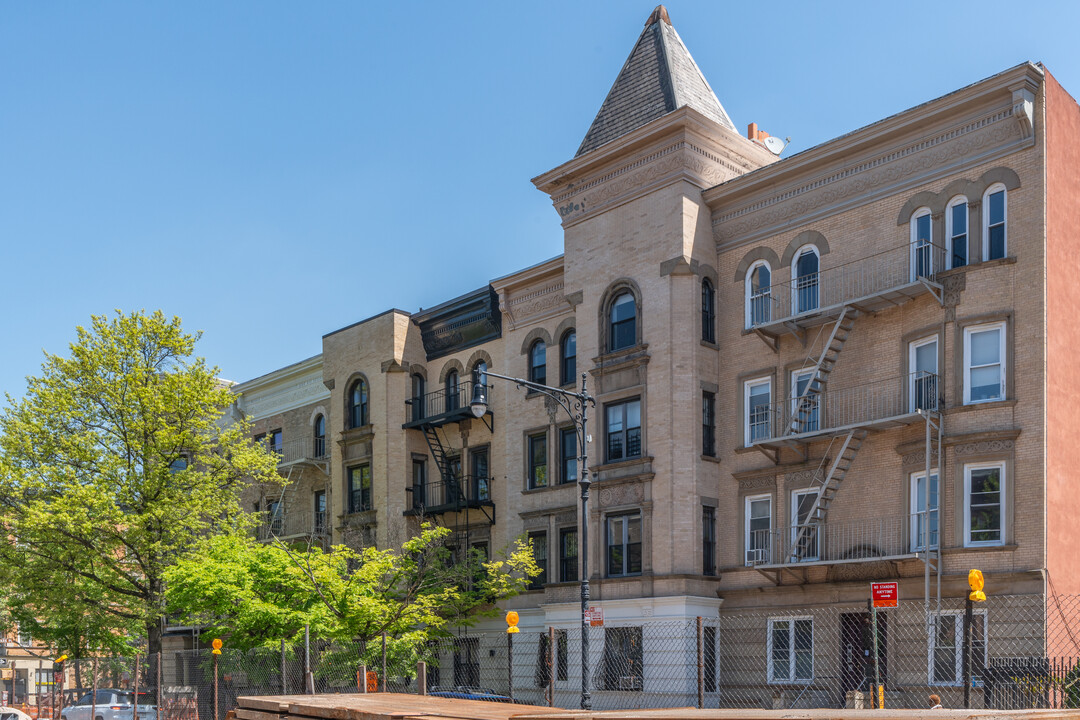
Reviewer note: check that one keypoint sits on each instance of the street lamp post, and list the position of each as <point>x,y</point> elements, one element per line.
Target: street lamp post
<point>576,405</point>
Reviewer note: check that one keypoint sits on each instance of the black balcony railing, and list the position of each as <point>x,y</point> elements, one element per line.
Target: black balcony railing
<point>446,404</point>
<point>449,495</point>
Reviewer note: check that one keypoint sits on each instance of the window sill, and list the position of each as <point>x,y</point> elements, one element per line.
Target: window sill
<point>711,458</point>
<point>978,406</point>
<point>364,517</point>
<point>363,432</point>
<point>712,345</point>
<point>979,549</point>
<point>1007,260</point>
<point>548,488</point>
<point>636,354</point>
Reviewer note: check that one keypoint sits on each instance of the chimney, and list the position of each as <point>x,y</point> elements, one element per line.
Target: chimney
<point>753,133</point>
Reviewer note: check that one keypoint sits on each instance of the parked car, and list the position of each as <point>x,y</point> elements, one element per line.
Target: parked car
<point>10,713</point>
<point>111,704</point>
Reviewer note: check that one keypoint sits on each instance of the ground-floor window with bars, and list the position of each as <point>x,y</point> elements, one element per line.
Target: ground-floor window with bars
<point>623,667</point>
<point>791,650</point>
<point>947,647</point>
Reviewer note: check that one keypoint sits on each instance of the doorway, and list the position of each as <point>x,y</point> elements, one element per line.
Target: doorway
<point>857,650</point>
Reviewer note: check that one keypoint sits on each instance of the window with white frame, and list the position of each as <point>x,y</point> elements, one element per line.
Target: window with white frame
<point>956,232</point>
<point>922,243</point>
<point>758,409</point>
<point>790,650</point>
<point>946,647</point>
<point>758,534</point>
<point>923,377</point>
<point>805,280</point>
<point>984,363</point>
<point>995,217</point>
<point>758,294</point>
<point>984,504</point>
<point>924,516</point>
<point>804,405</point>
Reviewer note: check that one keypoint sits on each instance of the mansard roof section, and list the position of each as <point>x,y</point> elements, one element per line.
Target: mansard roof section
<point>465,321</point>
<point>659,77</point>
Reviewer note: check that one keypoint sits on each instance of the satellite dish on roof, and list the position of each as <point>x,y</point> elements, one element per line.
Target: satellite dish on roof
<point>774,144</point>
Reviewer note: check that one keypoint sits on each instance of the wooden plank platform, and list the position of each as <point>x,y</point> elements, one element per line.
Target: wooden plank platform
<point>395,706</point>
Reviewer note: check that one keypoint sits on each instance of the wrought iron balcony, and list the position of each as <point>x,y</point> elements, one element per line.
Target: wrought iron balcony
<point>442,406</point>
<point>876,405</point>
<point>306,449</point>
<point>453,495</point>
<point>872,283</point>
<point>863,540</point>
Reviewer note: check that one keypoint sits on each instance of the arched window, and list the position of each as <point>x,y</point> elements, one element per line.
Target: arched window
<point>758,294</point>
<point>995,216</point>
<point>419,412</point>
<point>708,311</point>
<point>922,243</point>
<point>622,327</point>
<point>358,404</point>
<point>805,280</point>
<point>956,232</point>
<point>568,357</point>
<point>452,383</point>
<point>538,362</point>
<point>320,437</point>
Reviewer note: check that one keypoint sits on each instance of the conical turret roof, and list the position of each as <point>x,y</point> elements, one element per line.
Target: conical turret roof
<point>659,77</point>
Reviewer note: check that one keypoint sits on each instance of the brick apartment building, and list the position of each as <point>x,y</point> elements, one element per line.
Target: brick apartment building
<point>855,363</point>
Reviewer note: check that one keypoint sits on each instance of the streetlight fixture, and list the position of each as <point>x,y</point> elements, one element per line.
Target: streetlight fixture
<point>576,405</point>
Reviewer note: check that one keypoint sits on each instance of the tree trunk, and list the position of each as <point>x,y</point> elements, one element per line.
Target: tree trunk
<point>153,636</point>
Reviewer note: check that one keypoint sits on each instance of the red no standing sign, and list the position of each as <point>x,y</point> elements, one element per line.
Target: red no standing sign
<point>885,595</point>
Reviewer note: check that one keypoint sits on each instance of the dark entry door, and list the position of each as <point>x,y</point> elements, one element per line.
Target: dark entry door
<point>857,649</point>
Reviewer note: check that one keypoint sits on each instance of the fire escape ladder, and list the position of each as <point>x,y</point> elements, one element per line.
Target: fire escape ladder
<point>805,413</point>
<point>446,474</point>
<point>806,534</point>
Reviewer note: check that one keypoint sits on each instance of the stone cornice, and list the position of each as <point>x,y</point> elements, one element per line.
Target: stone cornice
<point>878,160</point>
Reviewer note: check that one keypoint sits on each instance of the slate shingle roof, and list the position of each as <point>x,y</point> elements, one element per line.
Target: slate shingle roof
<point>659,77</point>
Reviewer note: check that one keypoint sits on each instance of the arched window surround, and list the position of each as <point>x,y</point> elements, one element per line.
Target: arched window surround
<point>758,304</point>
<point>538,362</point>
<point>613,293</point>
<point>568,357</point>
<point>957,230</point>
<point>921,242</point>
<point>357,403</point>
<point>993,248</point>
<point>805,288</point>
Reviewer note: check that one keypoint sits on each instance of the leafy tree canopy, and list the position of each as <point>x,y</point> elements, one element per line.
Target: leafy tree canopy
<point>117,460</point>
<point>259,594</point>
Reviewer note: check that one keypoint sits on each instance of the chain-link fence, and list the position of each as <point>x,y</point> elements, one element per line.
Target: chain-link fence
<point>1025,653</point>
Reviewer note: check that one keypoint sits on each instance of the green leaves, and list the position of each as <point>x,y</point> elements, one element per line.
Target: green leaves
<point>116,461</point>
<point>259,594</point>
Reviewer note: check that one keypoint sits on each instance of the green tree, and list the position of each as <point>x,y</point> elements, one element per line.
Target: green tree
<point>259,594</point>
<point>117,460</point>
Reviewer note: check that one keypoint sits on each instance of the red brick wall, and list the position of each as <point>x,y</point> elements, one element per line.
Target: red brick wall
<point>1063,337</point>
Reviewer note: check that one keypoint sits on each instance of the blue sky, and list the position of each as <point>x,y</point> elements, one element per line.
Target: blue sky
<point>272,171</point>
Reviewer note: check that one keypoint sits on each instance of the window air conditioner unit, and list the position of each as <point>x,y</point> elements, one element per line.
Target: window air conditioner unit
<point>629,682</point>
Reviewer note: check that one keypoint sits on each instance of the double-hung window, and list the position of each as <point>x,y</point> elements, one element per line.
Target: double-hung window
<point>805,405</point>
<point>623,430</point>
<point>984,363</point>
<point>708,540</point>
<point>924,517</point>
<point>758,407</point>
<point>922,244</point>
<point>568,455</point>
<point>759,294</point>
<point>538,363</point>
<point>276,445</point>
<point>568,355</point>
<point>946,647</point>
<point>805,280</point>
<point>790,650</point>
<point>538,540</point>
<point>984,504</point>
<point>804,530</point>
<point>538,461</point>
<point>623,545</point>
<point>568,555</point>
<point>995,241</point>
<point>359,495</point>
<point>758,529</point>
<point>708,311</point>
<point>708,424</point>
<point>956,232</point>
<point>622,326</point>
